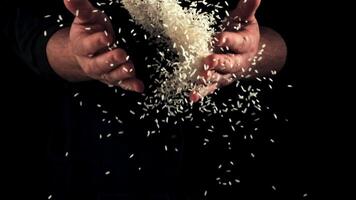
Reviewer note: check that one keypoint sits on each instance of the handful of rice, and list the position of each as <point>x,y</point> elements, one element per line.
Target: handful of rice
<point>189,33</point>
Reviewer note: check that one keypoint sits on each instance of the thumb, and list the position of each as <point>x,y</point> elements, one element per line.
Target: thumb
<point>202,92</point>
<point>82,9</point>
<point>246,9</point>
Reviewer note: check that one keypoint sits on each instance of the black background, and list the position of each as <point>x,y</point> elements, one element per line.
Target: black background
<point>25,100</point>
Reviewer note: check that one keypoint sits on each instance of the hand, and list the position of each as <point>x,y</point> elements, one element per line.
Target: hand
<point>91,39</point>
<point>222,69</point>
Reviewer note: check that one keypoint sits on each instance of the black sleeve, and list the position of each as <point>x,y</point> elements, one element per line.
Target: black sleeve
<point>26,31</point>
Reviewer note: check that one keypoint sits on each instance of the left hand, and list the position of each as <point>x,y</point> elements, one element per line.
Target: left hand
<point>221,69</point>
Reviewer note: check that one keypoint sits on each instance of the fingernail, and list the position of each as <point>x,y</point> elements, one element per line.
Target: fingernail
<point>139,87</point>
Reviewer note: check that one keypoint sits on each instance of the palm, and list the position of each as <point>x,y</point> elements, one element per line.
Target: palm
<point>241,36</point>
<point>91,42</point>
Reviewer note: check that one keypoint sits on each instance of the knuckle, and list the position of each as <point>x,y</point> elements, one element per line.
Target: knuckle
<point>89,69</point>
<point>119,55</point>
<point>103,39</point>
<point>74,45</point>
<point>246,40</point>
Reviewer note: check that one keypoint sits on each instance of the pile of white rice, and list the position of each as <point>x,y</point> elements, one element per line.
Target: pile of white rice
<point>189,32</point>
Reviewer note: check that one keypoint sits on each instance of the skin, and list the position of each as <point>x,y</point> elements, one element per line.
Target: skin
<point>80,52</point>
<point>244,44</point>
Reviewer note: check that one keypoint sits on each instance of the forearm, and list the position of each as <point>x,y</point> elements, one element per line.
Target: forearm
<point>61,58</point>
<point>274,54</point>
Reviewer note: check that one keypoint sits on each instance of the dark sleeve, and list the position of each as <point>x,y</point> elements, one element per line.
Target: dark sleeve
<point>24,32</point>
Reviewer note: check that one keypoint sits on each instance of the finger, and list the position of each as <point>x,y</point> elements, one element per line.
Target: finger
<point>237,42</point>
<point>246,9</point>
<point>224,63</point>
<point>105,62</point>
<point>94,28</point>
<point>125,71</point>
<point>202,91</point>
<point>216,81</point>
<point>93,43</point>
<point>132,84</point>
<point>205,77</point>
<point>221,79</point>
<point>226,80</point>
<point>82,9</point>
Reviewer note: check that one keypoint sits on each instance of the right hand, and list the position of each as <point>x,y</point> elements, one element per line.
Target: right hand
<point>91,34</point>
